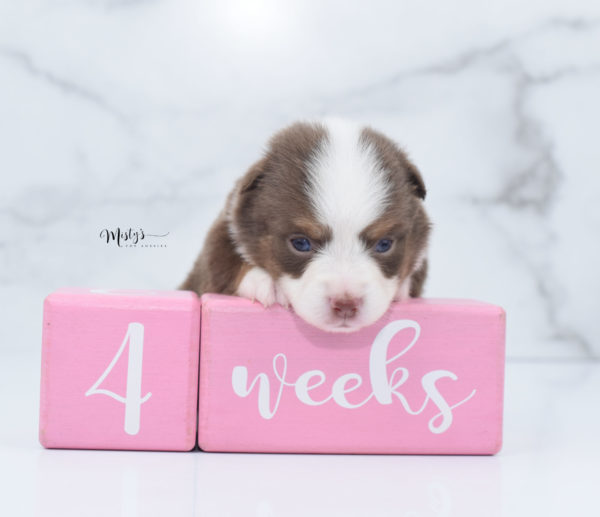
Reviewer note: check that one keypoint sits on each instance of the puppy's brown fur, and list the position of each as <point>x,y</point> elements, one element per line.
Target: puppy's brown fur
<point>270,201</point>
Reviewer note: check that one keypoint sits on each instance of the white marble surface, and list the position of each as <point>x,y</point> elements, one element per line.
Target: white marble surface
<point>142,113</point>
<point>548,465</point>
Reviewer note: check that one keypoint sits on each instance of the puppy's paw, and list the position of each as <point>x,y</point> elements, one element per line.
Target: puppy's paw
<point>257,285</point>
<point>281,298</point>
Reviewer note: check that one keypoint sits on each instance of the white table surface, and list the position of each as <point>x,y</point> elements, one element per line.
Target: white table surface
<point>549,465</point>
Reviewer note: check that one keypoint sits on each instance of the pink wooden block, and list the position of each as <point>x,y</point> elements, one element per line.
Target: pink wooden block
<point>427,378</point>
<point>120,370</point>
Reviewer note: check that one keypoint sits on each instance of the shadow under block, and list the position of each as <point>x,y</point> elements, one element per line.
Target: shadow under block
<point>427,378</point>
<point>120,370</point>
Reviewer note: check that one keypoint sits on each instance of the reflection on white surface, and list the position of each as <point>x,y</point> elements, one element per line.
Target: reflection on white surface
<point>135,484</point>
<point>114,483</point>
<point>130,492</point>
<point>548,465</point>
<point>347,485</point>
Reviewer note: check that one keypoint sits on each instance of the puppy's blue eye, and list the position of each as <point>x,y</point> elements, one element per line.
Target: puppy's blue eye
<point>383,245</point>
<point>301,244</point>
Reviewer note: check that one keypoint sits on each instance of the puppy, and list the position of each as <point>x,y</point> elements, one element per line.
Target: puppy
<point>329,223</point>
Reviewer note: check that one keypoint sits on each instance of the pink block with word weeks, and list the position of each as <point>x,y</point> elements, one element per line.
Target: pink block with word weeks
<point>427,378</point>
<point>120,370</point>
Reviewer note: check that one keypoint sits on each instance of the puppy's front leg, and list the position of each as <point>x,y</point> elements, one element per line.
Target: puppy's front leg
<point>403,291</point>
<point>412,286</point>
<point>258,285</point>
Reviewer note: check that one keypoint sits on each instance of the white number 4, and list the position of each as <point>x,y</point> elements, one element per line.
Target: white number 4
<point>133,399</point>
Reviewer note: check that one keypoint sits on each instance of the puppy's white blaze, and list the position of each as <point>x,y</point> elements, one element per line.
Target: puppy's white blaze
<point>347,187</point>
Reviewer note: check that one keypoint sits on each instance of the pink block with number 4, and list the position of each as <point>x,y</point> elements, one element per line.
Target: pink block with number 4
<point>427,378</point>
<point>119,369</point>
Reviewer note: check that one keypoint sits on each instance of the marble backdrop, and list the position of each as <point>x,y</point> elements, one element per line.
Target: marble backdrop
<point>140,114</point>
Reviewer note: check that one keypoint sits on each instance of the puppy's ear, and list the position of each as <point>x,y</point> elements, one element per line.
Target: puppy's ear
<point>416,180</point>
<point>253,178</point>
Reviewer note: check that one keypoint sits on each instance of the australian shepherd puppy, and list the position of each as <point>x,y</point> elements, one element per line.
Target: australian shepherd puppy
<point>329,223</point>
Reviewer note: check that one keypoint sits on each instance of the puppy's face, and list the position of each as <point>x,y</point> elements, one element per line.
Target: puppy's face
<point>333,213</point>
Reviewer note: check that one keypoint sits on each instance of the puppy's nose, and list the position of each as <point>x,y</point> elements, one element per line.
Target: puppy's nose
<point>346,307</point>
